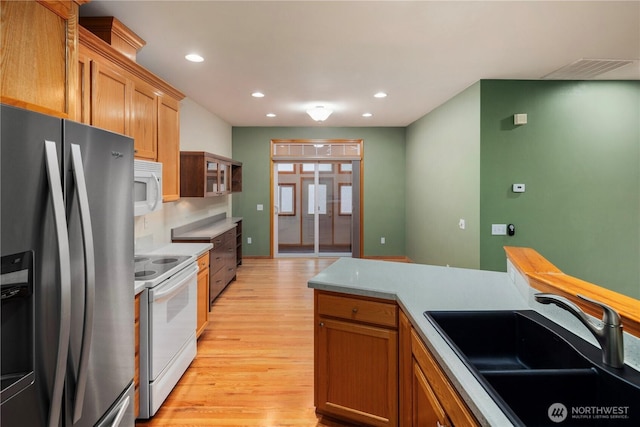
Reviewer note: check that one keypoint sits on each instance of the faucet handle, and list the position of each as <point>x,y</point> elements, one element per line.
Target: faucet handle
<point>610,317</point>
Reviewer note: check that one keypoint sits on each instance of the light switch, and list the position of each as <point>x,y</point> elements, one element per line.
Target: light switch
<point>498,229</point>
<point>260,207</point>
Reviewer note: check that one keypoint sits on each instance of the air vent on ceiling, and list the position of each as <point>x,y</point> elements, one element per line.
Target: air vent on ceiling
<point>585,69</point>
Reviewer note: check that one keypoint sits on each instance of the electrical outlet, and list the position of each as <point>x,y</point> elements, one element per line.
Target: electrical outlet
<point>248,240</point>
<point>462,224</point>
<point>383,240</point>
<point>260,207</point>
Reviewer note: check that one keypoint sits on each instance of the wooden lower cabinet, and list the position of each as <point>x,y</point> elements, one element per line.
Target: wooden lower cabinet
<point>356,363</point>
<point>372,368</point>
<point>433,398</point>
<point>203,294</point>
<point>426,409</point>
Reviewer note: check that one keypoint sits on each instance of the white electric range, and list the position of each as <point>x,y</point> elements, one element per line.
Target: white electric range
<point>167,324</point>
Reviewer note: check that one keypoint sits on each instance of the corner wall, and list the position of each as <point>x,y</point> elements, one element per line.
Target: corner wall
<point>442,181</point>
<point>579,156</point>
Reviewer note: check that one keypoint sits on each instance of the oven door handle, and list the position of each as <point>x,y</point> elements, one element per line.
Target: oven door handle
<point>181,280</point>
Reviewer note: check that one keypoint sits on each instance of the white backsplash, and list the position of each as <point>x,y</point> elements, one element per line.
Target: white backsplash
<point>154,230</point>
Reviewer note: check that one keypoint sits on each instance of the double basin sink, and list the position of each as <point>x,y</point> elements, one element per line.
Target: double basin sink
<point>539,373</point>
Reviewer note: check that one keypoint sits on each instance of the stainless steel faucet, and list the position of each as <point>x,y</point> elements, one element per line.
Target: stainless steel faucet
<point>609,334</point>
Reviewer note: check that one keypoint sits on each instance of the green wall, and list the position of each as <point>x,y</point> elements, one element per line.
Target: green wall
<point>443,167</point>
<point>579,156</point>
<point>383,186</point>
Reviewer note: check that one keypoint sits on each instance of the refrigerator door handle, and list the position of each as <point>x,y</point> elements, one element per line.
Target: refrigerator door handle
<point>90,279</point>
<point>118,419</point>
<point>62,237</point>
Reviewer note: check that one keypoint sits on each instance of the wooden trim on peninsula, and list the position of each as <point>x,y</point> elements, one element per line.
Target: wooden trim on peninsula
<point>546,277</point>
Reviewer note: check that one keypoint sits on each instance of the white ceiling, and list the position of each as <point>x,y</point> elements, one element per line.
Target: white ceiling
<point>339,53</point>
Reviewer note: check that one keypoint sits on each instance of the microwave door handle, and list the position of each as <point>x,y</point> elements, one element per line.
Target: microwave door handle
<point>62,238</point>
<point>156,180</point>
<point>89,279</point>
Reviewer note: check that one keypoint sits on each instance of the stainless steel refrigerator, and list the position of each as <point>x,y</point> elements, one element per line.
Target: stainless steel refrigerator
<point>67,333</point>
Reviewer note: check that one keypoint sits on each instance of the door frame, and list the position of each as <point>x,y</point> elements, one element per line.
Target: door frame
<point>357,154</point>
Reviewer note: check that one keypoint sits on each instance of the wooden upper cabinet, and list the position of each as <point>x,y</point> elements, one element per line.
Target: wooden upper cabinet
<point>204,174</point>
<point>144,121</point>
<point>83,102</point>
<point>38,55</point>
<point>169,147</point>
<point>110,98</point>
<point>127,98</point>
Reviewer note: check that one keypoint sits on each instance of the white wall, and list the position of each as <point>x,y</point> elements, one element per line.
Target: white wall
<point>200,130</point>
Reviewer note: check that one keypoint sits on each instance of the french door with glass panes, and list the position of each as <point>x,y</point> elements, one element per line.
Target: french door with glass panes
<point>313,208</point>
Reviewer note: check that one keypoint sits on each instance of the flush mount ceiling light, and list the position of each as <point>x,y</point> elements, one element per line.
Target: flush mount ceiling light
<point>319,113</point>
<point>380,95</point>
<point>257,95</point>
<point>194,57</point>
<point>271,115</point>
<point>367,115</point>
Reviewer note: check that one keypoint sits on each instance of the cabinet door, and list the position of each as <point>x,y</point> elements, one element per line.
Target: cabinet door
<point>38,55</point>
<point>203,300</point>
<point>144,121</point>
<point>110,98</point>
<point>356,372</point>
<point>426,411</point>
<point>83,90</point>
<point>169,147</point>
<point>212,176</point>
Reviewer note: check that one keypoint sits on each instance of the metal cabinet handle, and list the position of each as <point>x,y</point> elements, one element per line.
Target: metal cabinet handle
<point>354,310</point>
<point>321,324</point>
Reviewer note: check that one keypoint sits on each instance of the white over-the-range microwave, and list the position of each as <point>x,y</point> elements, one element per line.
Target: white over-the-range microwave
<point>147,187</point>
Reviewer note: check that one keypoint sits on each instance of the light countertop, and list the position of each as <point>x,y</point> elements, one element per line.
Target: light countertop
<point>193,250</point>
<point>418,288</point>
<point>205,229</point>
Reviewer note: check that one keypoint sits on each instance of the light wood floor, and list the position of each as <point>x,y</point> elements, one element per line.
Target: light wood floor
<point>255,360</point>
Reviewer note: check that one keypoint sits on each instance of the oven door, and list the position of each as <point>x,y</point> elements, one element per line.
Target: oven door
<point>172,318</point>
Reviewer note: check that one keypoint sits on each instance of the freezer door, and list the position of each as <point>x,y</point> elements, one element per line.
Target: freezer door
<point>104,338</point>
<point>28,226</point>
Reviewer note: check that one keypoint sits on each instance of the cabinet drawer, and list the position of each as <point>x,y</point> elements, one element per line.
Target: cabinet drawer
<point>357,309</point>
<point>230,235</point>
<point>217,241</point>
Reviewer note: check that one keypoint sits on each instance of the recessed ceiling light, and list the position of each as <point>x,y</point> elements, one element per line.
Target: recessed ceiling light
<point>367,115</point>
<point>194,57</point>
<point>271,115</point>
<point>380,95</point>
<point>257,95</point>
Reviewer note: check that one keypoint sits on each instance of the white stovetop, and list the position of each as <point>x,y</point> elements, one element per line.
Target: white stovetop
<point>192,250</point>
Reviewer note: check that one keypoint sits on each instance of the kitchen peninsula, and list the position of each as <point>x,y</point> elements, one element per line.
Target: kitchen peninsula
<point>377,288</point>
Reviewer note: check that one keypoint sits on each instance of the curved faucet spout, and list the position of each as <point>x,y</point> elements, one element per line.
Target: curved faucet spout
<point>609,334</point>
